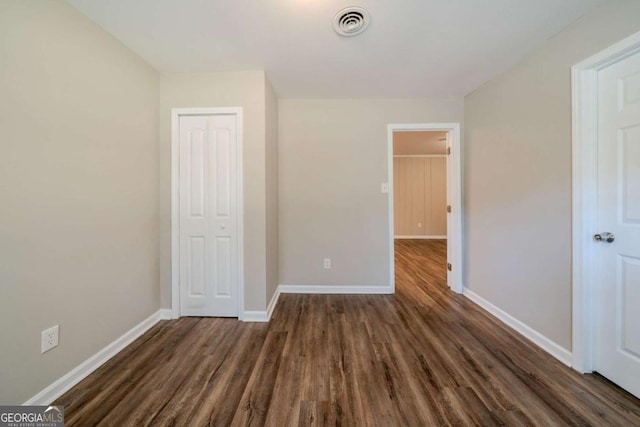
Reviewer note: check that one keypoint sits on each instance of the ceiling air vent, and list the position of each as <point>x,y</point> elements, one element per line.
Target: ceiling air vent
<point>351,21</point>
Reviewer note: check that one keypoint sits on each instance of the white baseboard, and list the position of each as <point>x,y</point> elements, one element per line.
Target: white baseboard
<point>254,316</point>
<point>166,314</point>
<point>554,349</point>
<point>312,289</point>
<point>273,302</point>
<point>421,237</point>
<point>262,316</point>
<point>80,372</point>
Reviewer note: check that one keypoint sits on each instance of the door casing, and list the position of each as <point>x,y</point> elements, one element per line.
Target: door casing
<point>176,113</point>
<point>454,199</point>
<point>584,92</point>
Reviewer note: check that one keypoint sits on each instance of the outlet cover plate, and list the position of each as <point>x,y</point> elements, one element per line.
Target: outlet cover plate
<point>49,338</point>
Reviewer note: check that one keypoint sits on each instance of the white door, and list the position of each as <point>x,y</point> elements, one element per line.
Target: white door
<point>617,352</point>
<point>208,204</point>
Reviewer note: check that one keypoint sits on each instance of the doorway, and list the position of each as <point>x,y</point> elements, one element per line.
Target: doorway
<point>420,203</point>
<point>606,222</point>
<point>425,208</point>
<point>206,218</point>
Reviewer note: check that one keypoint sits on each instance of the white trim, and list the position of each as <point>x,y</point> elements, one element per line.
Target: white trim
<point>166,314</point>
<point>175,211</point>
<point>272,304</point>
<point>255,316</point>
<point>263,316</point>
<point>554,349</point>
<point>584,86</point>
<point>418,155</point>
<point>454,198</point>
<point>422,237</point>
<point>333,289</point>
<point>80,372</point>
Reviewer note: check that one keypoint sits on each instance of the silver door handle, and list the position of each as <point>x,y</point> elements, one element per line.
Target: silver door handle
<point>604,237</point>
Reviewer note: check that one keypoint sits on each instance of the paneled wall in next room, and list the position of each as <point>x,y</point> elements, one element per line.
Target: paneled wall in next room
<point>420,184</point>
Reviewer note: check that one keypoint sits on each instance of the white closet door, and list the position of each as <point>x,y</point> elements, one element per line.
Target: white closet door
<point>208,216</point>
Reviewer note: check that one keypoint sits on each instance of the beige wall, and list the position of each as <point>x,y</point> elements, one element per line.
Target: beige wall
<point>238,89</point>
<point>78,192</point>
<point>517,161</point>
<point>420,196</point>
<point>272,191</point>
<point>333,158</point>
<point>419,142</point>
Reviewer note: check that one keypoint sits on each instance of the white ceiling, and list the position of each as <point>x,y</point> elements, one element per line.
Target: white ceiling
<point>413,48</point>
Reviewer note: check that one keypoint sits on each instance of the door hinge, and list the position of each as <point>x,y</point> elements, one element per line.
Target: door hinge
<point>448,151</point>
<point>449,267</point>
<point>449,208</point>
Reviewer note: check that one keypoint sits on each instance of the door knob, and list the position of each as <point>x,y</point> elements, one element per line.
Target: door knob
<point>604,237</point>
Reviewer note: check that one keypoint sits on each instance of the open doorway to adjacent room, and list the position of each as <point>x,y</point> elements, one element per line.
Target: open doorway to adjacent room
<point>420,204</point>
<point>425,205</point>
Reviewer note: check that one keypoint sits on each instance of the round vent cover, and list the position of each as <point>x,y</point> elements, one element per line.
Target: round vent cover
<point>351,21</point>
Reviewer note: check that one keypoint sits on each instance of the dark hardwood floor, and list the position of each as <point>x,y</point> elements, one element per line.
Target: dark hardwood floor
<point>422,357</point>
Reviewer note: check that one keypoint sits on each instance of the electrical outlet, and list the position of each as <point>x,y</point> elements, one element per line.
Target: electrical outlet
<point>49,339</point>
<point>327,263</point>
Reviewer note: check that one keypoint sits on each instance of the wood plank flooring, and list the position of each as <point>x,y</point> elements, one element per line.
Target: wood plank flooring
<point>422,357</point>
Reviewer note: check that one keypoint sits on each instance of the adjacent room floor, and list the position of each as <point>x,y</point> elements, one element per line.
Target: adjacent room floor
<point>424,356</point>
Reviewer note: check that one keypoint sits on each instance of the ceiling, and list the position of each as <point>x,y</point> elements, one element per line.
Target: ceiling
<point>419,142</point>
<point>412,48</point>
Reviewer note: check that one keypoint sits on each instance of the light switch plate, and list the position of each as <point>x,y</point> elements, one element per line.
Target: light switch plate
<point>384,187</point>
